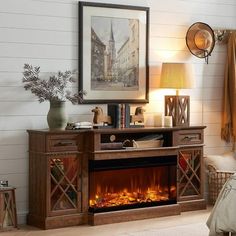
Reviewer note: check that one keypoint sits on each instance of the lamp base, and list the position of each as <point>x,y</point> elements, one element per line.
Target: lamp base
<point>179,108</point>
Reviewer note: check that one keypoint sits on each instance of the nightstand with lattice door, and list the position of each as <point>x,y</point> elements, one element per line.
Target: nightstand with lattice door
<point>8,218</point>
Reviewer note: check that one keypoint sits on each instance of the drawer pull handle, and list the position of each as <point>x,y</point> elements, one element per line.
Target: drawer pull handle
<point>65,143</point>
<point>190,138</point>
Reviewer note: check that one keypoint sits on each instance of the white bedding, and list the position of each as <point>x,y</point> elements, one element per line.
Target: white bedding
<point>223,216</point>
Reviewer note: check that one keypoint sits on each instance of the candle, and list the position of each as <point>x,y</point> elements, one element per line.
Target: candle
<point>158,120</point>
<point>149,120</point>
<point>168,121</point>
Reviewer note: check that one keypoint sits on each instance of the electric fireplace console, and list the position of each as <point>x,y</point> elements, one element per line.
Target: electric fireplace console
<point>105,176</point>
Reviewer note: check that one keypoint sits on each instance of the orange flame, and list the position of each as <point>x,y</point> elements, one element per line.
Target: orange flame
<point>124,197</point>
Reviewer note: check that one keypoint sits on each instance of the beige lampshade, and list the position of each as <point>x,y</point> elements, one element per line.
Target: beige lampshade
<point>177,76</point>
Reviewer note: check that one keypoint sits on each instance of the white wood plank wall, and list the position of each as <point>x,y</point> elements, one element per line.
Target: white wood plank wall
<point>45,33</point>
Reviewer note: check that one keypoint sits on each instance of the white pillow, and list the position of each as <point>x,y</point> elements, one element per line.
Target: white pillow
<point>224,162</point>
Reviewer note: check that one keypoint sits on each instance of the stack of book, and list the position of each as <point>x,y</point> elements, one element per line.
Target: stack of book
<point>79,125</point>
<point>120,115</point>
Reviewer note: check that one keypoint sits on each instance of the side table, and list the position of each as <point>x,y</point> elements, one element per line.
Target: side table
<point>8,218</point>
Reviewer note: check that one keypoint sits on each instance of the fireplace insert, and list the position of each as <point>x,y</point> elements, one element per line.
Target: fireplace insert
<point>131,183</point>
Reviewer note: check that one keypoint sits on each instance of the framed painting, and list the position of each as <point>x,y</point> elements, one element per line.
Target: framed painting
<point>113,53</point>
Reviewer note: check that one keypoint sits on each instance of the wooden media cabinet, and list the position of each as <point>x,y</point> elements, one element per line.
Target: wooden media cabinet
<point>60,177</point>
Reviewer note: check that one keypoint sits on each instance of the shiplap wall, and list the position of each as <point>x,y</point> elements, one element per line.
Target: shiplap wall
<point>45,33</point>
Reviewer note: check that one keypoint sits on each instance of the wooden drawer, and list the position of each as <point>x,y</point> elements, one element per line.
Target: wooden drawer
<point>188,137</point>
<point>57,143</point>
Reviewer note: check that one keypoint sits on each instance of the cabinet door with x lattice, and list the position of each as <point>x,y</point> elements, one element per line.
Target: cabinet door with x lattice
<point>65,184</point>
<point>190,180</point>
<point>55,191</point>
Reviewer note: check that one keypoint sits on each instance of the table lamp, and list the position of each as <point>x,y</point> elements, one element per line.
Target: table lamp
<point>177,76</point>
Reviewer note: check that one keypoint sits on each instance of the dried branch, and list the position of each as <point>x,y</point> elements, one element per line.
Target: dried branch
<point>53,89</point>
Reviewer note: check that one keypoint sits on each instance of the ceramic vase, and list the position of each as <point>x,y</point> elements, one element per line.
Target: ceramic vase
<point>57,117</point>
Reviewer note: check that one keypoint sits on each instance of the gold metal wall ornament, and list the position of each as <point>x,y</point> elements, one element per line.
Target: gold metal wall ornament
<point>200,40</point>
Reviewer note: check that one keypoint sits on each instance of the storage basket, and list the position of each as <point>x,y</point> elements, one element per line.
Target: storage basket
<point>148,143</point>
<point>216,180</point>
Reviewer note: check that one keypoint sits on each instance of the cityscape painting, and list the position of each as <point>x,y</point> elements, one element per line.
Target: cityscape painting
<point>113,53</point>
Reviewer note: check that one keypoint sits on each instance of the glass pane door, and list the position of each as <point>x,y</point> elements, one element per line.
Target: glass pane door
<point>189,173</point>
<point>64,173</point>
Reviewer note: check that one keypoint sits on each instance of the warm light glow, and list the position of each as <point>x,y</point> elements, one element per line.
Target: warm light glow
<point>166,55</point>
<point>132,187</point>
<point>125,197</point>
<point>177,76</point>
<point>202,39</point>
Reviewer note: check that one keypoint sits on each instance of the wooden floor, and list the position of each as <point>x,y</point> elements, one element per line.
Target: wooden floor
<point>122,229</point>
